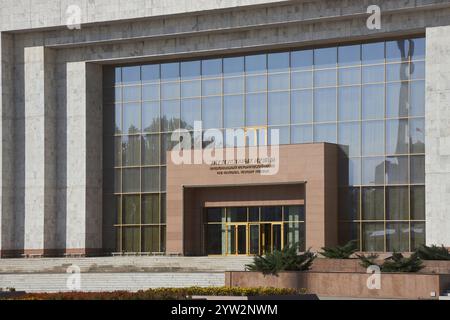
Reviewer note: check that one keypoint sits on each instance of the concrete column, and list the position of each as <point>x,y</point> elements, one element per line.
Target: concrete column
<point>6,145</point>
<point>40,160</point>
<point>84,158</point>
<point>437,136</point>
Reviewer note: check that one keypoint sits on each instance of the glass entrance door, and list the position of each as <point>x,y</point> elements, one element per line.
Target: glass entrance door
<point>253,239</point>
<point>271,237</point>
<point>277,236</point>
<point>237,239</point>
<point>252,230</point>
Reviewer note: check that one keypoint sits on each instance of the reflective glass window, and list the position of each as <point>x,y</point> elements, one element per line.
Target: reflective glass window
<point>131,152</point>
<point>417,202</point>
<point>151,92</point>
<point>301,80</point>
<point>190,69</point>
<point>190,89</point>
<point>417,235</point>
<point>397,237</point>
<point>373,101</point>
<point>397,170</point>
<point>170,115</point>
<point>150,117</point>
<point>418,169</point>
<point>349,76</point>
<point>283,134</point>
<point>397,50</point>
<point>278,61</point>
<point>302,60</point>
<point>373,53</point>
<point>212,112</point>
<point>212,67</point>
<point>397,137</point>
<point>417,98</point>
<point>418,70</point>
<point>417,135</point>
<point>278,107</point>
<point>256,109</point>
<point>131,74</point>
<point>301,106</point>
<point>233,66</point>
<point>150,73</point>
<point>418,48</point>
<point>170,90</point>
<point>191,111</point>
<point>325,104</point>
<point>256,83</point>
<point>397,203</point>
<point>373,237</point>
<point>150,149</point>
<point>212,87</point>
<point>397,72</point>
<point>131,93</point>
<point>301,134</point>
<point>373,74</point>
<point>233,85</point>
<point>373,203</point>
<point>150,179</point>
<point>373,138</point>
<point>349,103</point>
<point>279,81</point>
<point>170,71</point>
<point>325,78</point>
<point>349,55</point>
<point>373,171</point>
<point>233,111</point>
<point>256,63</point>
<point>325,133</point>
<point>325,57</point>
<point>132,118</point>
<point>131,179</point>
<point>350,138</point>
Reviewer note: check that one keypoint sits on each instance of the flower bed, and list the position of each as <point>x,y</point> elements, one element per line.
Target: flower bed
<point>162,294</point>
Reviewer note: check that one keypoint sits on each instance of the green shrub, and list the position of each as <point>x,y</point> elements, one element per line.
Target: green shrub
<point>161,294</point>
<point>433,253</point>
<point>340,252</point>
<point>285,260</point>
<point>395,263</point>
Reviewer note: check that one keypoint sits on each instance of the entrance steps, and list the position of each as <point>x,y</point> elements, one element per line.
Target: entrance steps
<point>106,282</point>
<point>125,264</point>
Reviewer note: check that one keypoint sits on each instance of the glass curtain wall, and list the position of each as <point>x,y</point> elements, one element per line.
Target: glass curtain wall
<point>369,98</point>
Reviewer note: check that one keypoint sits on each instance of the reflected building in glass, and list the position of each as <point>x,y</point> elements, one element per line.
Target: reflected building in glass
<point>367,98</point>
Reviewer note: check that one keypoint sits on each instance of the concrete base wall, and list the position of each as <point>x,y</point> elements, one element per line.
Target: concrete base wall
<point>354,266</point>
<point>343,284</point>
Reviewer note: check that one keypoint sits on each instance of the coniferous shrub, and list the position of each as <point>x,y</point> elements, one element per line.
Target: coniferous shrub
<point>395,263</point>
<point>340,252</point>
<point>433,253</point>
<point>287,259</point>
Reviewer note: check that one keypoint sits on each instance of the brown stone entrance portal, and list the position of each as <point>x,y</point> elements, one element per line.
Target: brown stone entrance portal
<point>307,179</point>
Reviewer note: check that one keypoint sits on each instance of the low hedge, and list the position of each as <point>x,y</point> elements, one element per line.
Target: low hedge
<point>161,294</point>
